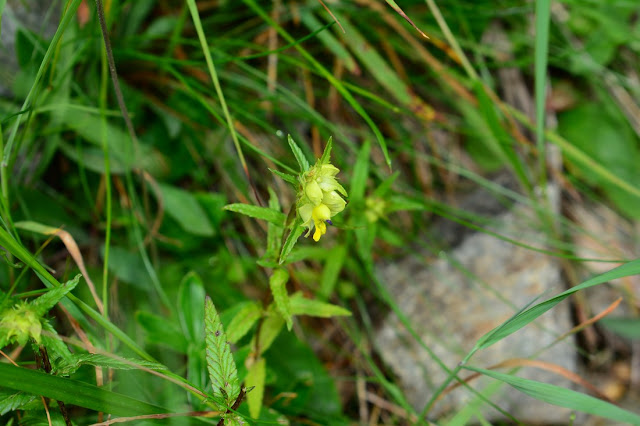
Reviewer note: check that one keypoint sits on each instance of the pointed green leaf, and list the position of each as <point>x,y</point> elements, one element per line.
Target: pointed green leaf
<point>255,379</point>
<point>331,270</point>
<point>243,321</point>
<point>73,392</point>
<point>360,174</point>
<point>161,331</point>
<point>326,155</point>
<point>190,308</point>
<point>220,363</point>
<point>523,318</point>
<point>278,284</point>
<point>184,208</point>
<point>67,367</point>
<point>292,240</point>
<point>315,308</point>
<point>48,300</point>
<point>270,329</point>
<point>286,177</point>
<point>274,232</point>
<point>11,400</point>
<point>297,152</point>
<point>563,397</point>
<point>264,213</point>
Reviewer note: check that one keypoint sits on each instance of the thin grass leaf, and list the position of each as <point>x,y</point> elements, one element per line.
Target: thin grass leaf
<point>274,232</point>
<point>360,174</point>
<point>331,271</point>
<point>190,309</point>
<point>543,18</point>
<point>502,144</point>
<point>521,319</point>
<point>400,12</point>
<point>292,240</point>
<point>625,327</point>
<point>562,397</point>
<point>15,248</point>
<point>286,177</point>
<point>331,43</point>
<point>278,285</point>
<point>383,73</point>
<point>70,13</point>
<point>264,213</point>
<point>70,365</point>
<point>220,363</point>
<point>73,392</point>
<point>300,305</point>
<point>255,379</point>
<point>329,76</point>
<point>243,321</point>
<point>195,16</point>
<point>297,152</point>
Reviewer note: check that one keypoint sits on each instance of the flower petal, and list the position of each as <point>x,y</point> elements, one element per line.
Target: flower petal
<point>313,192</point>
<point>334,202</point>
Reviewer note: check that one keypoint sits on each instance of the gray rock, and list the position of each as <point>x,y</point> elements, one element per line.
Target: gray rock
<point>456,299</point>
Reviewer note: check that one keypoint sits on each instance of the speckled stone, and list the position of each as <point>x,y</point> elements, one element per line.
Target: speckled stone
<point>456,299</point>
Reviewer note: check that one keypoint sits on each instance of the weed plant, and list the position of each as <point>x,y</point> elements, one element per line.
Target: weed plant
<point>163,162</point>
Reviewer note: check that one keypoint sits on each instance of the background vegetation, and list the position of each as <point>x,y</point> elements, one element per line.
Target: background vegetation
<point>212,89</point>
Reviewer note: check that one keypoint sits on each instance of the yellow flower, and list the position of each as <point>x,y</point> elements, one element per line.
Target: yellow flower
<point>320,215</point>
<point>320,197</point>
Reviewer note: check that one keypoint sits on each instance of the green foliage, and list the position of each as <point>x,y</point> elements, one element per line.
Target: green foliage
<point>212,94</point>
<point>220,363</point>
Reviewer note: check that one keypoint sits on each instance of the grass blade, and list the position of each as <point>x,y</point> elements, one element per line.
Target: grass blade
<point>521,319</point>
<point>73,392</point>
<point>562,397</point>
<point>543,16</point>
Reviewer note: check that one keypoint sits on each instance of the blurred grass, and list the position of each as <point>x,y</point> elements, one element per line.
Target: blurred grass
<point>148,215</point>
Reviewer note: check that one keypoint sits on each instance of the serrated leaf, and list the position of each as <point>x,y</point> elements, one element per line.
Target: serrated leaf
<point>67,367</point>
<point>243,321</point>
<point>286,177</point>
<point>220,364</point>
<point>264,213</point>
<point>278,285</point>
<point>190,308</point>
<point>297,152</point>
<point>54,344</point>
<point>326,154</point>
<point>11,401</point>
<point>48,300</point>
<point>292,240</point>
<point>300,305</point>
<point>255,379</point>
<point>184,208</point>
<point>562,397</point>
